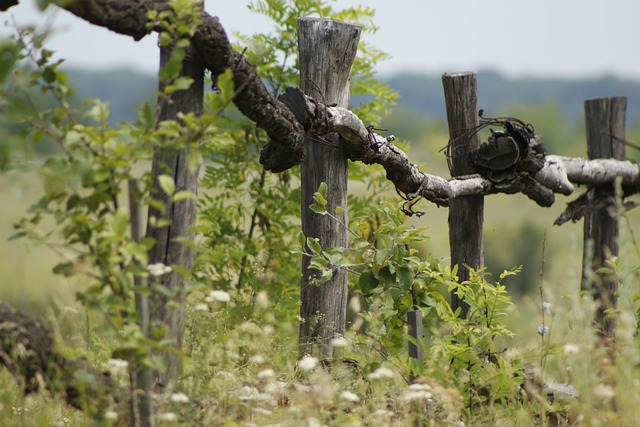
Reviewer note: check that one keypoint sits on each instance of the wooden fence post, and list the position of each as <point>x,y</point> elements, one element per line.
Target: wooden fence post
<point>605,122</point>
<point>169,310</point>
<point>466,215</point>
<point>142,377</point>
<point>327,50</point>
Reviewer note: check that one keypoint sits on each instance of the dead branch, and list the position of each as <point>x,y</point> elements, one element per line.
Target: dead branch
<point>288,130</point>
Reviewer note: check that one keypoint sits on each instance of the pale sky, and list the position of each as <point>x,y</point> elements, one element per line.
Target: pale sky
<point>562,38</point>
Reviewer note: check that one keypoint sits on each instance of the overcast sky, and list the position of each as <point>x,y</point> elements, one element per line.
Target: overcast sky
<point>565,38</point>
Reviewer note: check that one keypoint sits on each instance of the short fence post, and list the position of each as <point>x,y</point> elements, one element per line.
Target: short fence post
<point>605,122</point>
<point>466,214</point>
<point>327,51</point>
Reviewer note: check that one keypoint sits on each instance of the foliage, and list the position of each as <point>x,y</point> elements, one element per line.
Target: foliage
<point>240,351</point>
<point>249,218</point>
<point>83,215</point>
<point>392,280</point>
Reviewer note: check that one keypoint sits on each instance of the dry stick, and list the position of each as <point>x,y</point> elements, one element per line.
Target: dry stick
<point>465,213</point>
<point>327,50</point>
<point>605,121</point>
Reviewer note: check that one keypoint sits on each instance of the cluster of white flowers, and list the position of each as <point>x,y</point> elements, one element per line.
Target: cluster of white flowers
<point>179,398</point>
<point>308,363</point>
<point>570,349</point>
<point>167,416</point>
<point>257,359</point>
<point>201,307</point>
<point>218,296</point>
<point>111,415</point>
<point>339,342</point>
<point>382,373</point>
<point>546,307</point>
<point>266,374</point>
<point>117,366</point>
<point>349,396</point>
<point>417,392</point>
<point>158,269</point>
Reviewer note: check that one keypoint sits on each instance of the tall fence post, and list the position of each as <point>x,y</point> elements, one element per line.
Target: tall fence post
<point>167,306</point>
<point>327,50</point>
<point>466,214</point>
<point>605,122</point>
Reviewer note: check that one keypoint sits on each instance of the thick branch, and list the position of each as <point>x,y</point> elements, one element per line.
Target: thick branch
<point>287,134</point>
<point>214,51</point>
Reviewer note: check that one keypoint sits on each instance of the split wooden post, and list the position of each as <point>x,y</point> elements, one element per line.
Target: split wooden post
<point>168,307</point>
<point>142,376</point>
<point>416,331</point>
<point>605,122</point>
<point>327,50</point>
<point>466,214</point>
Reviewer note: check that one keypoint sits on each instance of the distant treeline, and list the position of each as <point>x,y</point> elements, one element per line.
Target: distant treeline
<point>419,93</point>
<point>423,93</point>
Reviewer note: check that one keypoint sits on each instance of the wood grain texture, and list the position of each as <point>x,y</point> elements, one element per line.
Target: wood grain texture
<point>181,216</point>
<point>327,50</point>
<point>466,214</point>
<point>605,123</point>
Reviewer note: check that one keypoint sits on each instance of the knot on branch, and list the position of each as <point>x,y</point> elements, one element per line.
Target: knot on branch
<point>513,149</point>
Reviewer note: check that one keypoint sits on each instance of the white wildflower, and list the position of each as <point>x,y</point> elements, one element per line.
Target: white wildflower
<point>111,415</point>
<point>307,363</point>
<point>218,296</point>
<point>354,304</point>
<point>266,374</point>
<point>262,411</point>
<point>604,391</point>
<point>158,269</point>
<point>262,300</point>
<point>179,398</point>
<point>382,373</point>
<point>546,307</point>
<point>201,307</point>
<point>349,396</point>
<point>383,413</point>
<point>339,342</point>
<point>117,366</point>
<point>417,392</point>
<point>313,422</point>
<point>542,329</point>
<point>257,359</point>
<point>167,416</point>
<point>268,330</point>
<point>570,349</point>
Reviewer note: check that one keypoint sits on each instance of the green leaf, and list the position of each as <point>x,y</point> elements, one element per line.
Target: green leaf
<point>319,209</point>
<point>183,195</point>
<point>405,275</point>
<point>120,223</point>
<point>314,245</point>
<point>167,184</point>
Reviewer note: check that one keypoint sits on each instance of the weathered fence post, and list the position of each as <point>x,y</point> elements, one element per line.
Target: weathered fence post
<point>167,306</point>
<point>605,122</point>
<point>327,49</point>
<point>142,376</point>
<point>466,215</point>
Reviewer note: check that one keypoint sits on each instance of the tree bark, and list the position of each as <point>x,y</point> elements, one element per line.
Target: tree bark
<point>167,304</point>
<point>327,51</point>
<point>466,214</point>
<point>605,120</point>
